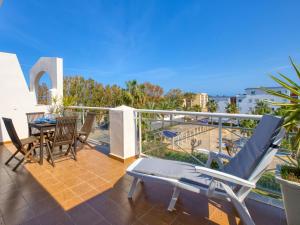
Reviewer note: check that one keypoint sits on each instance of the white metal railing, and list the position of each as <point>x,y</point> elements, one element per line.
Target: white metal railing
<point>83,109</point>
<point>219,121</point>
<point>209,114</point>
<point>88,107</point>
<point>219,116</point>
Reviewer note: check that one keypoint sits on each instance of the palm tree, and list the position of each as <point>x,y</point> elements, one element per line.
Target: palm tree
<point>211,105</point>
<point>262,108</point>
<point>175,96</point>
<point>232,108</point>
<point>197,108</point>
<point>292,106</point>
<point>137,93</point>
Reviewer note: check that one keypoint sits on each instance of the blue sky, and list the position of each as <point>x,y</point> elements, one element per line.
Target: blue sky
<point>219,47</point>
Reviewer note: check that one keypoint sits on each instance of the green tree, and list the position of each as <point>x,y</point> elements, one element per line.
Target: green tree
<point>212,105</point>
<point>262,108</point>
<point>232,108</point>
<point>137,93</point>
<point>153,93</point>
<point>196,108</point>
<point>43,94</point>
<point>174,98</point>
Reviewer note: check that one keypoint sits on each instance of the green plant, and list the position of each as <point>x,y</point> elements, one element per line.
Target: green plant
<point>212,105</point>
<point>262,108</point>
<point>291,114</point>
<point>232,108</point>
<point>56,107</point>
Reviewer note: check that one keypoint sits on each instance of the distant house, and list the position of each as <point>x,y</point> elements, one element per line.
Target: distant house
<point>247,102</point>
<point>222,102</point>
<point>200,99</point>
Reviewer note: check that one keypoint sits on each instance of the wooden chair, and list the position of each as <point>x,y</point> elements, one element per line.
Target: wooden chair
<point>64,135</point>
<point>31,117</point>
<point>20,144</point>
<point>86,129</point>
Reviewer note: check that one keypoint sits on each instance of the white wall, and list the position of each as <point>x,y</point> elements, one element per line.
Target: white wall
<point>123,140</point>
<point>54,67</point>
<point>16,99</point>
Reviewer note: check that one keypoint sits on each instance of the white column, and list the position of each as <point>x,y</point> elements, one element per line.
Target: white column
<point>123,134</point>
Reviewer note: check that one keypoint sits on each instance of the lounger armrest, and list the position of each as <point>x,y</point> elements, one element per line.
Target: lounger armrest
<point>220,155</point>
<point>224,176</point>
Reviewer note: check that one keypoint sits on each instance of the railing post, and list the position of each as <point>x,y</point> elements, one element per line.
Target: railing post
<point>220,134</point>
<point>82,116</point>
<point>140,132</point>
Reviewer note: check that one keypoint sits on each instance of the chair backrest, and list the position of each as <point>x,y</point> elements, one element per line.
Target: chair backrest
<point>88,123</point>
<point>268,157</point>
<point>65,130</point>
<point>249,157</point>
<point>12,132</point>
<point>31,117</point>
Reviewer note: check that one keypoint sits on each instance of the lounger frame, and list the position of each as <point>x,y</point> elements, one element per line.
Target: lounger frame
<point>218,178</point>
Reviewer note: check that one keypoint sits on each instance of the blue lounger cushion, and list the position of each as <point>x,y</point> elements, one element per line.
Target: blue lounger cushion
<point>246,160</point>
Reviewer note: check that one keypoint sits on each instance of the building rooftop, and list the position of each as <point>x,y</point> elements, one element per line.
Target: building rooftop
<point>264,87</point>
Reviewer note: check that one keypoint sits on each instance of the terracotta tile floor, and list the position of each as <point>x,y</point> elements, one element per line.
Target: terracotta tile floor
<point>94,190</point>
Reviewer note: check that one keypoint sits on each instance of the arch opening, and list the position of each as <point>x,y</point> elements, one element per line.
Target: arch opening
<point>43,86</point>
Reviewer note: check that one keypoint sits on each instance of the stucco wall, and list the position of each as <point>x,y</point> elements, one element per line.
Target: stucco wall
<point>16,99</point>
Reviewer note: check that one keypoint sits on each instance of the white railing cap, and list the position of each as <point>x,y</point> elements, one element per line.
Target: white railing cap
<point>220,115</point>
<point>209,114</point>
<point>88,107</point>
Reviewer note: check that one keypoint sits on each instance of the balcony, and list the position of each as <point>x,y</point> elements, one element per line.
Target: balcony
<point>93,189</point>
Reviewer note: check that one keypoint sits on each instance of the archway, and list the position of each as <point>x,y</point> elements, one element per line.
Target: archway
<point>43,88</point>
<point>53,67</point>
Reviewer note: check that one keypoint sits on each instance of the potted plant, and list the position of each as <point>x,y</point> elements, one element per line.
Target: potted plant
<point>289,175</point>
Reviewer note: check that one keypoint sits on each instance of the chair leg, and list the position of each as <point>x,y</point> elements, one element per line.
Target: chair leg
<point>74,153</point>
<point>174,198</point>
<point>50,154</point>
<point>133,187</point>
<point>243,212</point>
<point>68,150</point>
<point>25,157</point>
<point>11,157</point>
<point>71,149</point>
<point>240,206</point>
<point>75,146</point>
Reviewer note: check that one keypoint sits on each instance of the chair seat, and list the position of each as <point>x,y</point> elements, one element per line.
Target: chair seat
<point>29,140</point>
<point>184,172</point>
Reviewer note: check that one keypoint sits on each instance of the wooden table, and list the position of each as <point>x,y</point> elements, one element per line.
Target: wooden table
<point>42,127</point>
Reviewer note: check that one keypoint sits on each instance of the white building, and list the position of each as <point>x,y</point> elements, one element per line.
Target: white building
<point>222,102</point>
<point>247,102</point>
